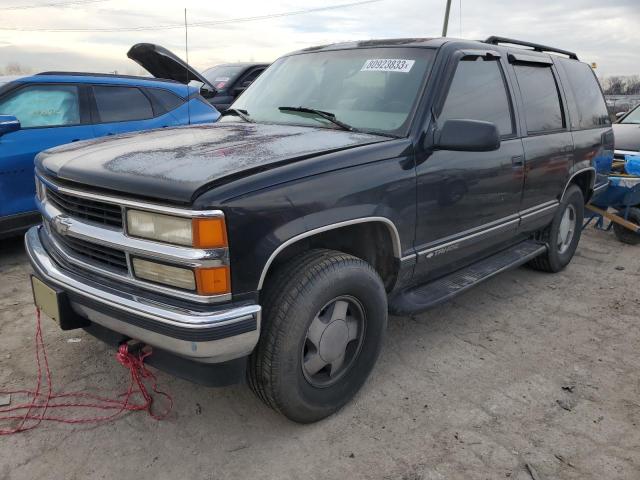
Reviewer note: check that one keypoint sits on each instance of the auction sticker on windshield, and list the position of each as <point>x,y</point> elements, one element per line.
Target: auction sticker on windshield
<point>388,65</point>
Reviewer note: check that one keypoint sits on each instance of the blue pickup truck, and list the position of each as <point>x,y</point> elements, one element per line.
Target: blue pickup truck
<point>54,108</point>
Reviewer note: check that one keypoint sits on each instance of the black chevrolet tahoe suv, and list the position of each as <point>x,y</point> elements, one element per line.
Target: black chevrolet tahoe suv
<point>348,181</point>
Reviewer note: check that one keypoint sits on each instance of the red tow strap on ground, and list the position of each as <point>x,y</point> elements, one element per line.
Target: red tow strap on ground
<point>42,402</point>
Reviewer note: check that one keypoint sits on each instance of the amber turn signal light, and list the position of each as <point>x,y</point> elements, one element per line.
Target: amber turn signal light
<point>209,233</point>
<point>213,281</point>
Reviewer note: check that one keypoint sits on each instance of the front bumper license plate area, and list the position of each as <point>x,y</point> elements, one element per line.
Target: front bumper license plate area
<point>55,304</point>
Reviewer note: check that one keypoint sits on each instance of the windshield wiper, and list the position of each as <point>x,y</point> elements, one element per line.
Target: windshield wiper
<point>320,113</point>
<point>243,114</point>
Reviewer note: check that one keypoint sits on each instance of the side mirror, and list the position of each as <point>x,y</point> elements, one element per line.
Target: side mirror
<point>8,124</point>
<point>619,115</point>
<point>467,136</point>
<point>207,92</point>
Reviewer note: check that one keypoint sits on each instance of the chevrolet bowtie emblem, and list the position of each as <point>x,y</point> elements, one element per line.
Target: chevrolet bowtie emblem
<point>61,224</point>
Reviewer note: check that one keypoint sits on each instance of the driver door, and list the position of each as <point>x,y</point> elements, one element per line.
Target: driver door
<point>468,202</point>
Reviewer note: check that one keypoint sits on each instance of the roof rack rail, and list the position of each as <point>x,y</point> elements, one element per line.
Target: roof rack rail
<point>108,75</point>
<point>493,40</point>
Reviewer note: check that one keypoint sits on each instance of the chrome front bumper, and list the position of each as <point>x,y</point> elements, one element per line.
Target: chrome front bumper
<point>211,336</point>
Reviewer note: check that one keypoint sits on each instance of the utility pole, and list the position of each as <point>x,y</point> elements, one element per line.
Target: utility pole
<point>446,19</point>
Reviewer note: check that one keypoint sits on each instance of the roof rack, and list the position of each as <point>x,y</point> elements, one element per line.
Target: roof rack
<point>493,40</point>
<point>108,75</point>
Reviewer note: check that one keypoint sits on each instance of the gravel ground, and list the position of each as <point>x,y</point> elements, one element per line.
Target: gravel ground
<point>528,368</point>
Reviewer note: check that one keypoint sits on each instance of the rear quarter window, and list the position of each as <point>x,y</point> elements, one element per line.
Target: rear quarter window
<point>121,104</point>
<point>587,107</point>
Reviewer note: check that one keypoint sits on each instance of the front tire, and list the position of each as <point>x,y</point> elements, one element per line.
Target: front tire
<point>324,320</point>
<point>563,234</point>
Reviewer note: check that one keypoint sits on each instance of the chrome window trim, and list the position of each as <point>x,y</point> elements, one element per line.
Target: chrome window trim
<point>128,203</point>
<point>395,238</point>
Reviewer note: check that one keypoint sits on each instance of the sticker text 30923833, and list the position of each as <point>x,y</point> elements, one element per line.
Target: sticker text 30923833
<point>388,65</point>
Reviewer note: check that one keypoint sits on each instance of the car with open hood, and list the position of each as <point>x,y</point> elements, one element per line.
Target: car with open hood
<point>231,79</point>
<point>41,111</point>
<point>347,181</point>
<point>221,84</point>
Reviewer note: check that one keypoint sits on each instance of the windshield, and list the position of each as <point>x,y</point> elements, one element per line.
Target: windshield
<point>369,89</point>
<point>221,75</point>
<point>633,117</point>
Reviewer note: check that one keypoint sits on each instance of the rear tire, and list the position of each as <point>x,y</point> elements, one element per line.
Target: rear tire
<point>324,320</point>
<point>563,234</point>
<point>624,234</point>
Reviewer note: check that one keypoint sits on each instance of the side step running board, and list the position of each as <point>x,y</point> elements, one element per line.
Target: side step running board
<point>423,297</point>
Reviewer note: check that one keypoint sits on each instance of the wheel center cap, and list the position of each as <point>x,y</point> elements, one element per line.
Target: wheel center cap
<point>333,342</point>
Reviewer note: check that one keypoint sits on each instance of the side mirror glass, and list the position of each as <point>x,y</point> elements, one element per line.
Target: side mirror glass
<point>8,124</point>
<point>467,136</point>
<point>207,92</point>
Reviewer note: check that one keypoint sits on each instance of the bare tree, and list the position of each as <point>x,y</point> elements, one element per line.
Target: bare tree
<point>633,85</point>
<point>614,85</point>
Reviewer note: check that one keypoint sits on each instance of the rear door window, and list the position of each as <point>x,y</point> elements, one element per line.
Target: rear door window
<point>163,100</point>
<point>478,92</point>
<point>541,98</point>
<point>250,77</point>
<point>121,104</point>
<point>586,103</point>
<point>43,105</point>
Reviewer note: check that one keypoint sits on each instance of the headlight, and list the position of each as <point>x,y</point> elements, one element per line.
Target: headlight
<point>165,274</point>
<point>196,232</point>
<point>206,281</point>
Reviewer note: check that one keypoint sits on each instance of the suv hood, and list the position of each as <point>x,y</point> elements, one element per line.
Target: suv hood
<point>627,136</point>
<point>161,63</point>
<point>175,163</point>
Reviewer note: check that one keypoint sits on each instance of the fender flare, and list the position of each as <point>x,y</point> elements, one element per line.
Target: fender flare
<point>575,174</point>
<point>395,239</point>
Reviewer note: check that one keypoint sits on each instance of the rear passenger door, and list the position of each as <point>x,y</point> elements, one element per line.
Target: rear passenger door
<point>120,109</point>
<point>548,144</point>
<point>468,201</point>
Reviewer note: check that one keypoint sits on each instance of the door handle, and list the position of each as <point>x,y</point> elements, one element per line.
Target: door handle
<point>517,161</point>
<point>75,140</point>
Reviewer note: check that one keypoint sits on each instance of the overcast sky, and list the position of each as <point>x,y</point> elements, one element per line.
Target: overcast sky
<point>602,31</point>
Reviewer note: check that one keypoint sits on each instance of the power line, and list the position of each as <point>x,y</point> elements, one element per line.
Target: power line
<point>51,4</point>
<point>195,24</point>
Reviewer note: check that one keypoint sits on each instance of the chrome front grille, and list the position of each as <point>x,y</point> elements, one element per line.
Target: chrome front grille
<point>87,209</point>
<point>94,253</point>
<point>87,231</point>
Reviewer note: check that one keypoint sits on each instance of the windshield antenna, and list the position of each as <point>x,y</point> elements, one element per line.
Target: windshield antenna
<point>186,50</point>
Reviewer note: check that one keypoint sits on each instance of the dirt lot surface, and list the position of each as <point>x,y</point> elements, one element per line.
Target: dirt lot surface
<point>527,368</point>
